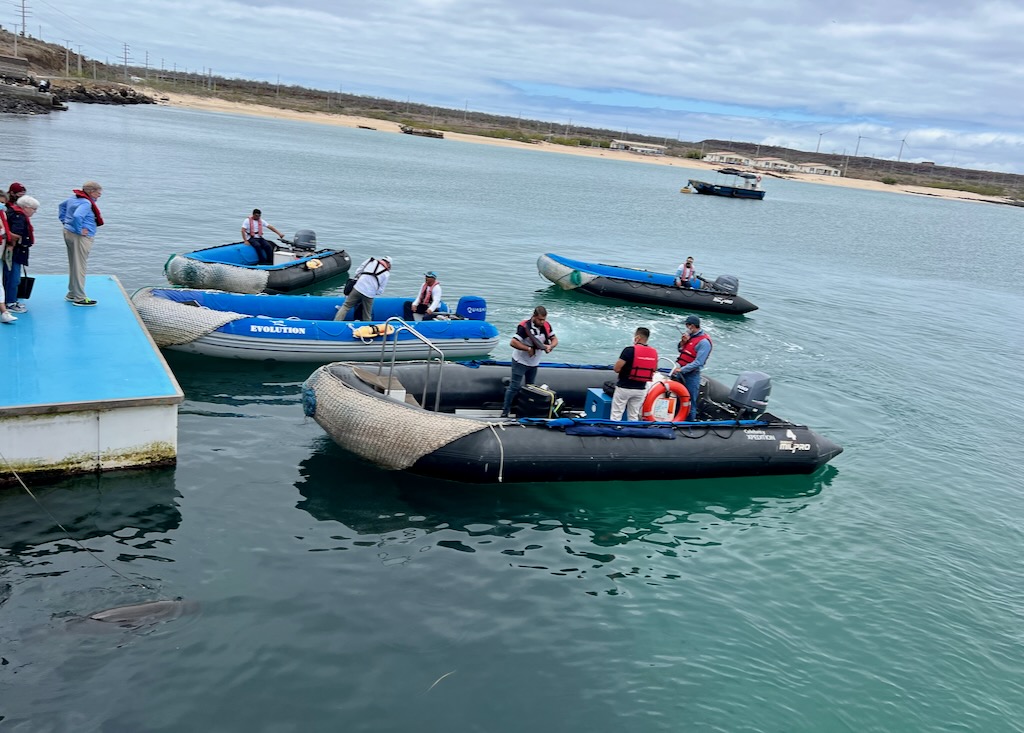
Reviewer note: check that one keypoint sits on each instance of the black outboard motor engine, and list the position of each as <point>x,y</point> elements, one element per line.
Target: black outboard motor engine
<point>304,239</point>
<point>750,394</point>
<point>727,284</point>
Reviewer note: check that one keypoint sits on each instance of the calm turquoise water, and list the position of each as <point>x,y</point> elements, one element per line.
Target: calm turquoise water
<point>882,594</point>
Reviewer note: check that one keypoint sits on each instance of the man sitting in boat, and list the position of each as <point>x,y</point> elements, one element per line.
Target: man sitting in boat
<point>686,275</point>
<point>635,367</point>
<point>429,298</point>
<point>252,234</point>
<point>369,282</point>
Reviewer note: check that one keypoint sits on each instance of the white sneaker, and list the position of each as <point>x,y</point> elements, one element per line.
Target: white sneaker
<point>7,317</point>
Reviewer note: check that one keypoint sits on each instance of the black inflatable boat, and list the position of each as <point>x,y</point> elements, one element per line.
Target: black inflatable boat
<point>234,267</point>
<point>441,420</point>
<point>643,286</point>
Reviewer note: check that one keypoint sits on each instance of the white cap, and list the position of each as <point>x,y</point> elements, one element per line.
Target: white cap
<point>385,258</point>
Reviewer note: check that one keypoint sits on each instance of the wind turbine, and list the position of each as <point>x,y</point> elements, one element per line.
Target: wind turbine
<point>902,143</point>
<point>820,134</point>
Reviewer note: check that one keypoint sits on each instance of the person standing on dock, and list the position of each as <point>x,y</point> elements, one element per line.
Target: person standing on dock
<point>534,338</point>
<point>20,237</point>
<point>5,315</point>
<point>694,350</point>
<point>252,234</point>
<point>369,282</point>
<point>80,217</point>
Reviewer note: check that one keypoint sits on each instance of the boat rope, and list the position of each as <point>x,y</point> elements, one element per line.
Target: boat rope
<point>501,452</point>
<point>66,532</point>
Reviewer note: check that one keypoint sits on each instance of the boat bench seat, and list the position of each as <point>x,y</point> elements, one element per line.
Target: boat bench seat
<point>379,382</point>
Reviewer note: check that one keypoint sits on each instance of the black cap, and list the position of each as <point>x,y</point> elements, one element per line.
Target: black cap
<point>693,321</point>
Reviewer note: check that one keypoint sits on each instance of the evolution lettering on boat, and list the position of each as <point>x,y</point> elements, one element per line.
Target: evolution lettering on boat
<point>277,328</point>
<point>754,434</point>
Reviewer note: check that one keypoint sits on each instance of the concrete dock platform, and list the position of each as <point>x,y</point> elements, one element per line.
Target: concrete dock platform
<point>83,389</point>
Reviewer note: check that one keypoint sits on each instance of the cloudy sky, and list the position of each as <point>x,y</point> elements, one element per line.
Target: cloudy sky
<point>916,79</point>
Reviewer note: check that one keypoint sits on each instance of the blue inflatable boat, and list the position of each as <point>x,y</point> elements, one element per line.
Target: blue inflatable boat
<point>643,286</point>
<point>235,267</point>
<point>300,328</point>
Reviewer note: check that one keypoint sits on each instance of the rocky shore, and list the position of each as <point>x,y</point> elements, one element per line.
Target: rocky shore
<point>26,100</point>
<point>97,93</point>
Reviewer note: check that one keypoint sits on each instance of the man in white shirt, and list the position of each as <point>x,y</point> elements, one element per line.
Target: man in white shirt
<point>252,234</point>
<point>534,338</point>
<point>429,298</point>
<point>370,280</point>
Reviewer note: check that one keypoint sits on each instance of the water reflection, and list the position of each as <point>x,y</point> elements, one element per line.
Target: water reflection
<point>236,383</point>
<point>591,525</point>
<point>131,506</point>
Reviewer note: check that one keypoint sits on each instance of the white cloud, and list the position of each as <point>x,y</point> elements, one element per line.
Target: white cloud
<point>942,73</point>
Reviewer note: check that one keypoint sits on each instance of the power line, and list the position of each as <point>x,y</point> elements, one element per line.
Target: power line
<point>76,20</point>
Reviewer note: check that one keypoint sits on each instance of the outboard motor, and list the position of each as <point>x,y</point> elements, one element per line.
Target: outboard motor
<point>727,284</point>
<point>472,307</point>
<point>750,394</point>
<point>304,239</point>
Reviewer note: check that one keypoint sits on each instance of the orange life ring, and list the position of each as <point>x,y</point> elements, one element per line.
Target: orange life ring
<point>675,394</point>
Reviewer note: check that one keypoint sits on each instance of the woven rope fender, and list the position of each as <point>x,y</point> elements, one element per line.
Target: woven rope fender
<point>171,323</point>
<point>391,434</point>
<point>564,276</point>
<point>192,273</point>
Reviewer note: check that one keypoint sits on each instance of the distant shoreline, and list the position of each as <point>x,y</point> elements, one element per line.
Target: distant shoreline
<point>210,104</point>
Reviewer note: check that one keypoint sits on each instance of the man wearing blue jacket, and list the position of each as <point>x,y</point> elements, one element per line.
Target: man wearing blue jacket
<point>80,217</point>
<point>694,350</point>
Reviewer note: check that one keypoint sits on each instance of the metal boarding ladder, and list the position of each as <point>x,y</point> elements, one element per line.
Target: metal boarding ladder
<point>404,326</point>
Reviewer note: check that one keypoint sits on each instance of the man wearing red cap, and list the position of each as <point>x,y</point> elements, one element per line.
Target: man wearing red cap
<point>14,192</point>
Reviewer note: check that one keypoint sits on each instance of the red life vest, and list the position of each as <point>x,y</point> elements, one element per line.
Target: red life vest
<point>259,232</point>
<point>645,363</point>
<point>426,294</point>
<point>689,351</point>
<point>3,225</point>
<point>92,202</point>
<point>528,324</point>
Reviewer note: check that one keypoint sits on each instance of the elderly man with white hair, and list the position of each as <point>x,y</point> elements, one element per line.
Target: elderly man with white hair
<point>81,217</point>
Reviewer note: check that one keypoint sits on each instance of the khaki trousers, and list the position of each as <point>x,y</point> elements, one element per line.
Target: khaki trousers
<point>78,246</point>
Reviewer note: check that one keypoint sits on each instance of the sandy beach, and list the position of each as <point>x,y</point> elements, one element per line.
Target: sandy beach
<point>210,104</point>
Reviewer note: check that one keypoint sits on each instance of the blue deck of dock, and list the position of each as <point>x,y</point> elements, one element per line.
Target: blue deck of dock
<point>85,364</point>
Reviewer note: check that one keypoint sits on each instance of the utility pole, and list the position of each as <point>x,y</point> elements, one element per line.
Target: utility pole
<point>126,49</point>
<point>465,111</point>
<point>79,59</point>
<point>67,58</point>
<point>858,146</point>
<point>24,13</point>
<point>900,155</point>
<point>146,66</point>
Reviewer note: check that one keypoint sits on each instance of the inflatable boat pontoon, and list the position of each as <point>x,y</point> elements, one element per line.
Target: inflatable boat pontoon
<point>441,420</point>
<point>643,286</point>
<point>300,328</point>
<point>233,267</point>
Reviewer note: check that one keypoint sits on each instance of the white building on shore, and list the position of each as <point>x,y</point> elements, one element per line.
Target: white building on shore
<point>639,148</point>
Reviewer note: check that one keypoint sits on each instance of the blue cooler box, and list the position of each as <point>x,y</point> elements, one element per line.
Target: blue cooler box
<point>599,405</point>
